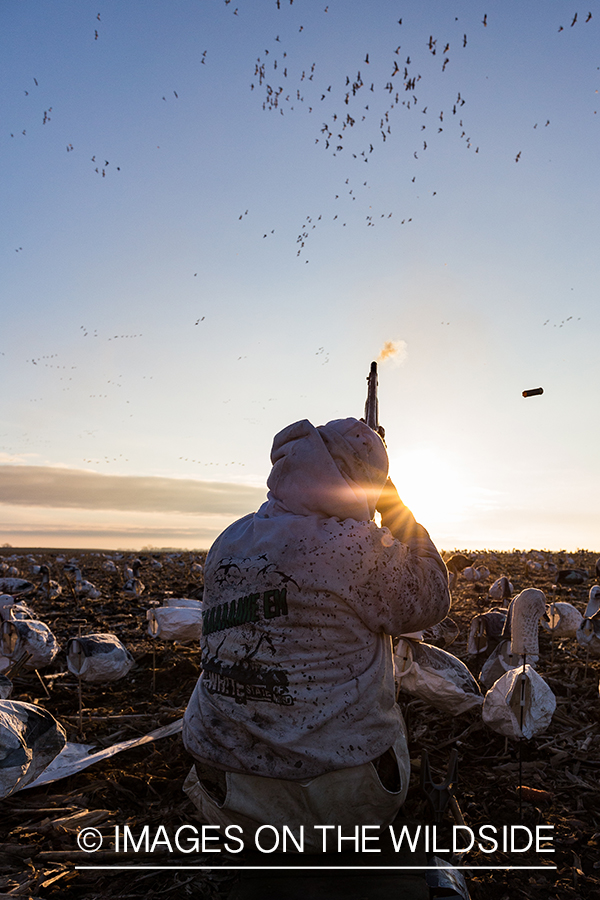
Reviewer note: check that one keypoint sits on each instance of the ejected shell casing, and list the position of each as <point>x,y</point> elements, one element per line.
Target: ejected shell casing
<point>533,392</point>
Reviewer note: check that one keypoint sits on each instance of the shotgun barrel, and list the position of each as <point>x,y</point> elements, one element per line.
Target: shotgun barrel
<point>372,404</point>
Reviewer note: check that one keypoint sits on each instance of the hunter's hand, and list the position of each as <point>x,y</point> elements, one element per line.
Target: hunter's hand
<point>389,499</point>
<point>395,515</point>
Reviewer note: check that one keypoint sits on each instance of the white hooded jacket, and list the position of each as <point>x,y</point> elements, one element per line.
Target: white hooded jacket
<point>300,601</point>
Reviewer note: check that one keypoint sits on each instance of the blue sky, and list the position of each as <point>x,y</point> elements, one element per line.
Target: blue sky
<point>155,329</point>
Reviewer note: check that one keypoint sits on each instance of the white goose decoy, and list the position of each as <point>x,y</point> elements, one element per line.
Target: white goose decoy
<point>30,738</point>
<point>98,657</point>
<point>10,609</point>
<point>562,620</point>
<point>520,703</point>
<point>436,676</point>
<point>132,586</point>
<point>20,636</point>
<point>109,566</point>
<point>571,577</point>
<point>476,573</point>
<point>501,589</point>
<point>533,567</point>
<point>49,589</point>
<point>486,630</point>
<point>16,586</point>
<point>456,564</point>
<point>501,658</point>
<point>82,587</point>
<point>179,619</point>
<point>588,633</point>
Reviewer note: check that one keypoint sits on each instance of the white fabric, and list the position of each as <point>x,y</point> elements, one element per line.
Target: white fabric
<point>299,604</point>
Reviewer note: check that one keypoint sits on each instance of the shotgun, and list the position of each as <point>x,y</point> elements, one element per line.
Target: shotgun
<point>372,405</point>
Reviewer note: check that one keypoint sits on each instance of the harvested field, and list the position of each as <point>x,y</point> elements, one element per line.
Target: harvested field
<point>142,786</point>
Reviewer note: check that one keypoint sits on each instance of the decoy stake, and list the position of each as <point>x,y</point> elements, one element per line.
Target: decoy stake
<point>441,795</point>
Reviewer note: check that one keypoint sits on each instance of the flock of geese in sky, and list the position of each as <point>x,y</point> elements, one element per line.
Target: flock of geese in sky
<point>383,99</point>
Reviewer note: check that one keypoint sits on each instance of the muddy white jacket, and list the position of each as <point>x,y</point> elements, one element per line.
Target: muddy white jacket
<point>301,600</point>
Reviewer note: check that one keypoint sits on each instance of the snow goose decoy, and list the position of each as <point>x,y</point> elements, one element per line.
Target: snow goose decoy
<point>520,703</point>
<point>571,577</point>
<point>98,657</point>
<point>441,635</point>
<point>82,587</point>
<point>30,738</point>
<point>588,633</point>
<point>10,609</point>
<point>47,588</point>
<point>476,573</point>
<point>456,564</point>
<point>502,658</point>
<point>501,589</point>
<point>436,676</point>
<point>132,586</point>
<point>28,636</point>
<point>486,631</point>
<point>16,586</point>
<point>6,687</point>
<point>179,619</point>
<point>562,620</point>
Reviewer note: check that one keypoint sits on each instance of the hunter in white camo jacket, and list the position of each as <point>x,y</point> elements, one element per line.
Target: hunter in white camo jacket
<point>300,603</point>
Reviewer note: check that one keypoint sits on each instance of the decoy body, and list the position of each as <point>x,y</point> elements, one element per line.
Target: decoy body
<point>501,589</point>
<point>180,619</point>
<point>570,577</point>
<point>48,588</point>
<point>82,587</point>
<point>588,633</point>
<point>29,636</point>
<point>132,586</point>
<point>457,563</point>
<point>30,738</point>
<point>436,676</point>
<point>562,620</point>
<point>98,657</point>
<point>486,631</point>
<point>16,586</point>
<point>476,573</point>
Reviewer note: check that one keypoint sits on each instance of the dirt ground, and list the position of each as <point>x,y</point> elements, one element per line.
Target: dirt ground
<point>143,786</point>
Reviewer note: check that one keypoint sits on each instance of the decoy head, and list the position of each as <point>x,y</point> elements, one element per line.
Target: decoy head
<point>527,609</point>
